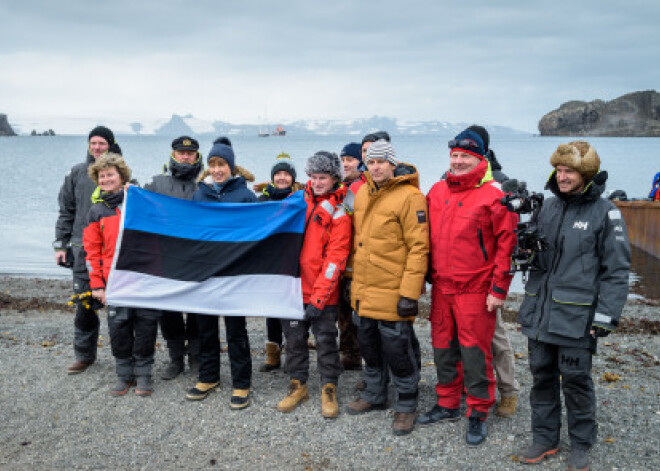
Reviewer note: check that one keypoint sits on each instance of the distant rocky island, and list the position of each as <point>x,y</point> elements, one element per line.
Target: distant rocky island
<point>633,115</point>
<point>5,128</point>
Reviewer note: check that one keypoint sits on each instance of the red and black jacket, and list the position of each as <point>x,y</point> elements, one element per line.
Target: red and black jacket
<point>100,237</point>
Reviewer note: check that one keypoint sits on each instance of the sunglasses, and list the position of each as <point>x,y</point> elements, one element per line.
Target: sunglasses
<point>463,144</point>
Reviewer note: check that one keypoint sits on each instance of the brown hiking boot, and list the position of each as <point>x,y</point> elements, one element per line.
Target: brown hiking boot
<point>273,355</point>
<point>77,367</point>
<point>360,406</point>
<point>403,423</point>
<point>329,406</point>
<point>507,407</point>
<point>297,394</point>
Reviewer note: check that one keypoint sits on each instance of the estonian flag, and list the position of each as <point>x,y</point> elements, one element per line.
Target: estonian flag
<point>230,259</point>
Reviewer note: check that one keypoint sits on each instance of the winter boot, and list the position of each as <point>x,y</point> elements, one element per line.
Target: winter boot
<point>77,367</point>
<point>536,453</point>
<point>578,460</point>
<point>273,354</point>
<point>201,390</point>
<point>507,407</point>
<point>476,431</point>
<point>438,414</point>
<point>240,399</point>
<point>403,423</point>
<point>172,370</point>
<point>297,394</point>
<point>177,354</point>
<point>121,387</point>
<point>360,406</point>
<point>329,406</point>
<point>143,387</point>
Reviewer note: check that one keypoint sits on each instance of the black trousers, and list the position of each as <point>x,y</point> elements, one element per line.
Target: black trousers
<point>274,330</point>
<point>238,345</point>
<point>133,333</point>
<point>552,366</point>
<point>178,329</point>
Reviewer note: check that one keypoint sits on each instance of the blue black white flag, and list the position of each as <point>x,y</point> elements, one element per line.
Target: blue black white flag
<point>230,259</point>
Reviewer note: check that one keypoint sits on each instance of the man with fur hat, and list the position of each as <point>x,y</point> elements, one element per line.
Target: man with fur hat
<point>282,184</point>
<point>390,251</point>
<point>575,295</point>
<point>472,238</point>
<point>323,256</point>
<point>179,180</point>
<point>75,200</point>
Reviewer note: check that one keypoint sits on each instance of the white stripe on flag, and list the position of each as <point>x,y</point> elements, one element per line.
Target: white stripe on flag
<point>242,295</point>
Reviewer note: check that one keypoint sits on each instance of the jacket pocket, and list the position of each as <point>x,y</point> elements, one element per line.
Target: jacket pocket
<point>480,236</point>
<point>570,310</point>
<point>528,306</point>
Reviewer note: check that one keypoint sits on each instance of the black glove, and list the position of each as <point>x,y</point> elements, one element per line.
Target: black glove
<point>406,307</point>
<point>312,312</point>
<point>600,332</point>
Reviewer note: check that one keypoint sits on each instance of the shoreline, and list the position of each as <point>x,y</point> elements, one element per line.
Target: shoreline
<point>52,420</point>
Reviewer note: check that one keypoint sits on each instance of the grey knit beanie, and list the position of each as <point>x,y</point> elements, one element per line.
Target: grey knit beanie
<point>325,162</point>
<point>381,149</point>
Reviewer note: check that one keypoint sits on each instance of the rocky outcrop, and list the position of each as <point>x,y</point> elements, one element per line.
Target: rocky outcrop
<point>631,115</point>
<point>5,128</point>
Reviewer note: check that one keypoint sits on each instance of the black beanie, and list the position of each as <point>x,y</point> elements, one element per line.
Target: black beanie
<point>105,133</point>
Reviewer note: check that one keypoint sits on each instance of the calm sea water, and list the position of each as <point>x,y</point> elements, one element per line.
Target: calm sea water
<point>34,168</point>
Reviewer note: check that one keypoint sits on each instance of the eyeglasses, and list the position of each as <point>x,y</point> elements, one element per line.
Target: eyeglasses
<point>462,144</point>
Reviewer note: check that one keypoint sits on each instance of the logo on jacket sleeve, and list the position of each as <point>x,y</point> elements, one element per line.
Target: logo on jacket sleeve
<point>581,225</point>
<point>421,216</point>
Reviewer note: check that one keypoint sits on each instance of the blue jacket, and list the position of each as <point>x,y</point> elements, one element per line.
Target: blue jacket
<point>234,190</point>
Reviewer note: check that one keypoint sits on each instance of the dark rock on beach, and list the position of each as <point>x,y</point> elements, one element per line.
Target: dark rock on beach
<point>5,128</point>
<point>633,115</point>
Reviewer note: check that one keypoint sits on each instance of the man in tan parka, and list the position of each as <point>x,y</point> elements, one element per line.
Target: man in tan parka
<point>391,245</point>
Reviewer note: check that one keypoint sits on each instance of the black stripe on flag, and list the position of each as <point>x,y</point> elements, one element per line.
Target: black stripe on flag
<point>198,260</point>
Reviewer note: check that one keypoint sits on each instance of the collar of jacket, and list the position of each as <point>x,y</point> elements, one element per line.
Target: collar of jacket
<point>410,177</point>
<point>111,200</point>
<point>478,176</point>
<point>326,203</point>
<point>591,192</point>
<point>224,187</point>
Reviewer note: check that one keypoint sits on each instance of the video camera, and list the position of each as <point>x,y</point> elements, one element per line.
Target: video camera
<point>528,240</point>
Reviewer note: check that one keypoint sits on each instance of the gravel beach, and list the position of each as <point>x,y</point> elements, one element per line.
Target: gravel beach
<point>50,420</point>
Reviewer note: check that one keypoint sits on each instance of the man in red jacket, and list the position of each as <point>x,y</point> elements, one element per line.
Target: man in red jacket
<point>472,238</point>
<point>323,257</point>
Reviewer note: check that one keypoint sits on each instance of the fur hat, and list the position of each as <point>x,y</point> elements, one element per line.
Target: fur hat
<point>381,149</point>
<point>325,162</point>
<point>578,155</point>
<point>224,152</point>
<point>376,136</point>
<point>283,162</point>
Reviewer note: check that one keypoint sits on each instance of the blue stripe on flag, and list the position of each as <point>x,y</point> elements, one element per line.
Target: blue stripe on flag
<point>222,222</point>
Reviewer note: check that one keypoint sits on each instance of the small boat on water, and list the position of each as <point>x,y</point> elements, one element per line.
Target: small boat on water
<point>279,131</point>
<point>643,221</point>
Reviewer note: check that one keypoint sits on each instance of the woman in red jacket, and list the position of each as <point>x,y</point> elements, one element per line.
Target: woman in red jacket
<point>132,330</point>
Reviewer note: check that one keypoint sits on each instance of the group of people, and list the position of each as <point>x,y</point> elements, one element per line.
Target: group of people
<point>372,241</point>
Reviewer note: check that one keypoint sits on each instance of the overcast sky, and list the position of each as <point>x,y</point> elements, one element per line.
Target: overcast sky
<point>492,62</point>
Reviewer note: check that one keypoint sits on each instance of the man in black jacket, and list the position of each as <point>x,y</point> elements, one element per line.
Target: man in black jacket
<point>179,181</point>
<point>75,199</point>
<point>576,295</point>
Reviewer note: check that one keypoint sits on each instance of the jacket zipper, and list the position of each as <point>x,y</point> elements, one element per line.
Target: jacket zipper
<point>481,243</point>
<point>553,265</point>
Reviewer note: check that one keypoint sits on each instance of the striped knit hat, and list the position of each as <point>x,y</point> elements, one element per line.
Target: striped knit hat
<point>381,149</point>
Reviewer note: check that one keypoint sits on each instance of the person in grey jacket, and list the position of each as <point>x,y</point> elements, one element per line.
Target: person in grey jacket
<point>179,180</point>
<point>576,295</point>
<point>75,200</point>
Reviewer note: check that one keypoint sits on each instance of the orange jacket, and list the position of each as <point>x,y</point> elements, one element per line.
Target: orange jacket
<point>100,238</point>
<point>326,245</point>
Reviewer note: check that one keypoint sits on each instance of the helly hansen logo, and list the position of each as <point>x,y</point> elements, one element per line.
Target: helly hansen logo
<point>421,216</point>
<point>570,361</point>
<point>581,225</point>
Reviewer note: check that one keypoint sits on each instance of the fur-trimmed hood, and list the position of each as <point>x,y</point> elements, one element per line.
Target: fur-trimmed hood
<point>578,155</point>
<point>238,172</point>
